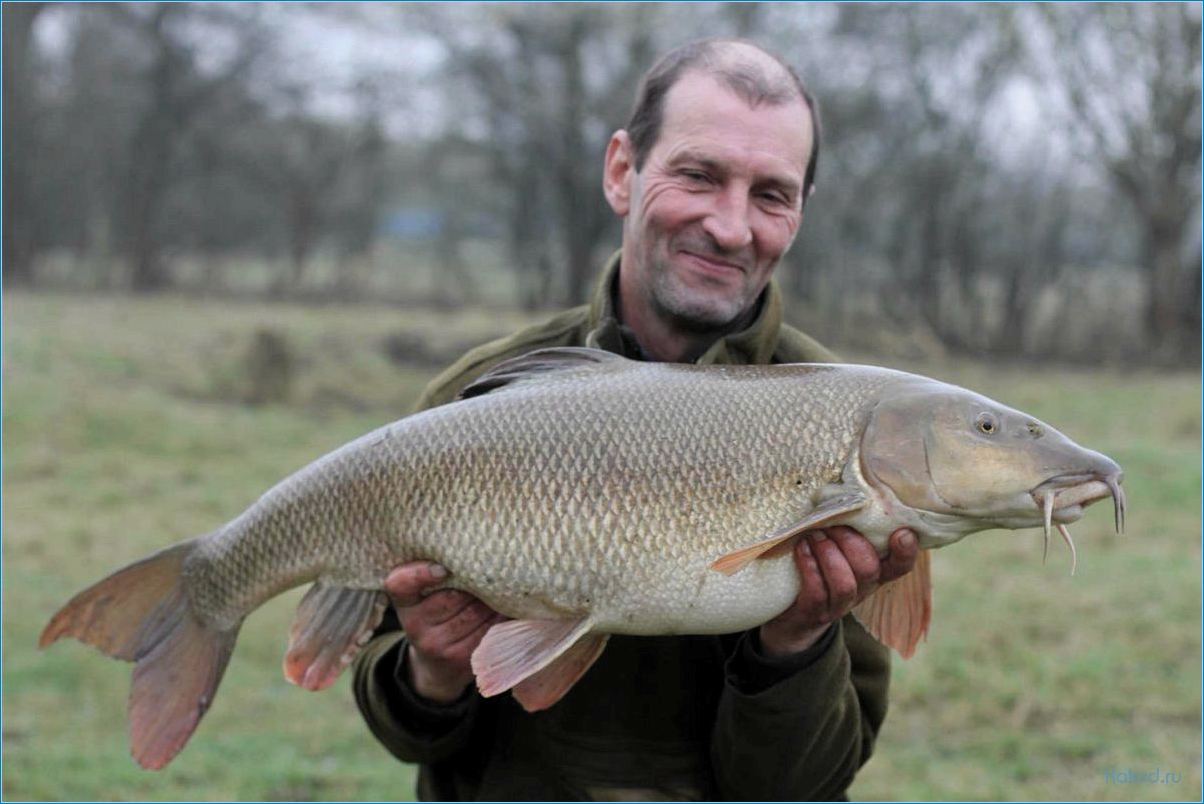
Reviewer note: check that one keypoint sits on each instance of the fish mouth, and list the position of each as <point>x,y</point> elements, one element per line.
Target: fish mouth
<point>1062,499</point>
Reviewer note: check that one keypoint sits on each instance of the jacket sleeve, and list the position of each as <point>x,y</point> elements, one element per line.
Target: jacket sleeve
<point>801,732</point>
<point>412,729</point>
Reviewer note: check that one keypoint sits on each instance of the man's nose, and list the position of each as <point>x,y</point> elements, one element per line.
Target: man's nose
<point>727,222</point>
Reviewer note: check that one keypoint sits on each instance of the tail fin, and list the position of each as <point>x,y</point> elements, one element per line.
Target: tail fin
<point>141,614</point>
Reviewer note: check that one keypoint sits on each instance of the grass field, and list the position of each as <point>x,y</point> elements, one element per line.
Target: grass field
<point>123,432</point>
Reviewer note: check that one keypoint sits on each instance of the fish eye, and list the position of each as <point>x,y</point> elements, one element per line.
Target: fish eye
<point>987,424</point>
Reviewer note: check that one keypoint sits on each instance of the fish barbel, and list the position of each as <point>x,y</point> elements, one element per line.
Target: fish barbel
<point>583,494</point>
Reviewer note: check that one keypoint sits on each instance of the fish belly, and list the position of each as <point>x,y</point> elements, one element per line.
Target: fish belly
<point>707,602</point>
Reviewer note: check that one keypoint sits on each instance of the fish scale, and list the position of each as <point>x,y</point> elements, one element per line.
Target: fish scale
<point>561,486</point>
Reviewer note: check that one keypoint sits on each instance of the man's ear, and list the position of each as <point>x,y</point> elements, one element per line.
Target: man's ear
<point>618,172</point>
<point>806,197</point>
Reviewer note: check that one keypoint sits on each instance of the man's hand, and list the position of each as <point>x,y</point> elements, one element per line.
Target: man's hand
<point>443,628</point>
<point>838,568</point>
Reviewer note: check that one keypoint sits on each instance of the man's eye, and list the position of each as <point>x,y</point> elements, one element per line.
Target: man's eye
<point>696,175</point>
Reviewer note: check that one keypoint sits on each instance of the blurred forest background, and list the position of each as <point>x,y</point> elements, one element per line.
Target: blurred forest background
<point>1017,180</point>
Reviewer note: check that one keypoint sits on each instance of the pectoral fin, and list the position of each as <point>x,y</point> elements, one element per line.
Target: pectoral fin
<point>331,625</point>
<point>897,614</point>
<point>828,512</point>
<point>517,650</point>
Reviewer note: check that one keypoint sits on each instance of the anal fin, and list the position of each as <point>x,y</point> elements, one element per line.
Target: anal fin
<point>516,650</point>
<point>332,624</point>
<point>897,614</point>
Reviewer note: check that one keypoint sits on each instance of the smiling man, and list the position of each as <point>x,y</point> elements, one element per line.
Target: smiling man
<point>711,205</point>
<point>710,178</point>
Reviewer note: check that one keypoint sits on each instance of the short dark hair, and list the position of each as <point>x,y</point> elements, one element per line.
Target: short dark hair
<point>746,80</point>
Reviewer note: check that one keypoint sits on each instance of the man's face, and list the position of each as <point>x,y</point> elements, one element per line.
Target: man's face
<point>717,204</point>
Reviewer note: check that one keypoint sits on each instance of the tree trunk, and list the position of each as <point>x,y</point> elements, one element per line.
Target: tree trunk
<point>576,202</point>
<point>150,157</point>
<point>19,139</point>
<point>1165,302</point>
<point>144,203</point>
<point>302,224</point>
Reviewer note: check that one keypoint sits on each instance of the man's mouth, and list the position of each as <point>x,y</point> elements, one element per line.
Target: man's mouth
<point>713,264</point>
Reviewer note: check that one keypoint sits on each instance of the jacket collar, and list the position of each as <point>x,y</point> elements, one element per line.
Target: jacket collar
<point>755,344</point>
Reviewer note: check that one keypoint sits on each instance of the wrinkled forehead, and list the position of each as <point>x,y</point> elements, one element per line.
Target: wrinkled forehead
<point>704,114</point>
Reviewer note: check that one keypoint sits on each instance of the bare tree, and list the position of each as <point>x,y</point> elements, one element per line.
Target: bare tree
<point>907,175</point>
<point>1127,79</point>
<point>192,149</point>
<point>20,135</point>
<point>177,93</point>
<point>547,89</point>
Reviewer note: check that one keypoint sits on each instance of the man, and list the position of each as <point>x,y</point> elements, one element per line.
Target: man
<point>710,178</point>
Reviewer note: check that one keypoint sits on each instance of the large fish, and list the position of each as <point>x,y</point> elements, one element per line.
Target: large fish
<point>583,494</point>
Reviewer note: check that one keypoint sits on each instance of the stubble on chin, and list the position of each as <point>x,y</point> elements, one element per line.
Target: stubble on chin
<point>693,309</point>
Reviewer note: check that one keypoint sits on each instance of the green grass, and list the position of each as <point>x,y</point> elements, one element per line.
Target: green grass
<point>123,432</point>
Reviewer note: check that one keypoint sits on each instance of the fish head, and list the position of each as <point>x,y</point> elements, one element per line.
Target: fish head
<point>966,463</point>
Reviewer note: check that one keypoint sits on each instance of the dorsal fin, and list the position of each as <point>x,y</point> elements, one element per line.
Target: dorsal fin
<point>535,364</point>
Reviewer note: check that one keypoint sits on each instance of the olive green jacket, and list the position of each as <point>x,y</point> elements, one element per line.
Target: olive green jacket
<point>656,718</point>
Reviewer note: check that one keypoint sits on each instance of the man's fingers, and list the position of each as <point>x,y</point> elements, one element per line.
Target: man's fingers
<point>813,589</point>
<point>861,555</point>
<point>461,621</point>
<point>841,582</point>
<point>438,607</point>
<point>405,584</point>
<point>462,648</point>
<point>454,639</point>
<point>904,548</point>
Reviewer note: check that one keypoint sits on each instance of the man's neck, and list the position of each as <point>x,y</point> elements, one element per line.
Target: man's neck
<point>661,340</point>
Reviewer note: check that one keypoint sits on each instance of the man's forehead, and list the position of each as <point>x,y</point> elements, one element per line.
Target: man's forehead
<point>702,113</point>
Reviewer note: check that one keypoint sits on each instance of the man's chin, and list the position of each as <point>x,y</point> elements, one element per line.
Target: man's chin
<point>697,313</point>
